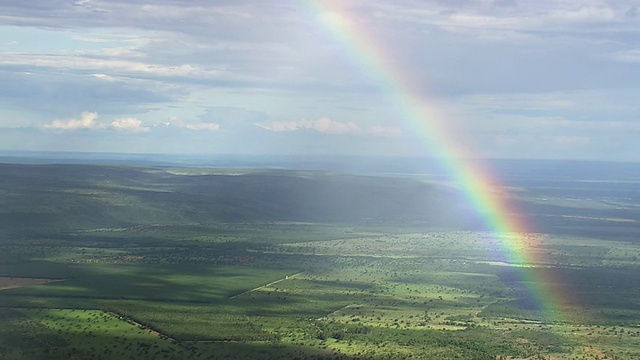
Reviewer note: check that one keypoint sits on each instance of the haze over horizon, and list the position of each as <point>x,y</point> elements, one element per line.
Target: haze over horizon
<point>516,79</point>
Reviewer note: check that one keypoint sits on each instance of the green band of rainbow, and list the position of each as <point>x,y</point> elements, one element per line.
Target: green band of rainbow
<point>483,192</point>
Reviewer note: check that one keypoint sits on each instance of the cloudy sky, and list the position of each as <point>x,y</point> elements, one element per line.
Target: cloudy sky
<point>514,78</point>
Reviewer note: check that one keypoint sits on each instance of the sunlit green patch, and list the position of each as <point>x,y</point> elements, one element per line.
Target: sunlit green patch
<point>97,334</point>
<point>614,342</point>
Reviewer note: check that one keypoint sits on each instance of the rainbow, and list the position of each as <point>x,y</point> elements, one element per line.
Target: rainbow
<point>424,115</point>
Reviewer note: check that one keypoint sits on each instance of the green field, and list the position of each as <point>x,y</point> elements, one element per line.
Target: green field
<point>195,263</point>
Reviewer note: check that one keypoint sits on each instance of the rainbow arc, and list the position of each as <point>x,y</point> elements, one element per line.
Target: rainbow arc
<point>425,116</point>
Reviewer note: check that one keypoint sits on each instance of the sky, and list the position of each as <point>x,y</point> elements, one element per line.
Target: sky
<point>515,79</point>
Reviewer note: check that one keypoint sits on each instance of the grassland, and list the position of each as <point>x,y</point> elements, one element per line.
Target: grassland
<point>98,263</point>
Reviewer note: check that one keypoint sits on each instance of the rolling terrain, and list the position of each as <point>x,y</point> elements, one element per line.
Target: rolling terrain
<point>102,261</point>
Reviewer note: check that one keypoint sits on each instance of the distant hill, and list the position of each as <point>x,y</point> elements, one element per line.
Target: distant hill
<point>87,196</point>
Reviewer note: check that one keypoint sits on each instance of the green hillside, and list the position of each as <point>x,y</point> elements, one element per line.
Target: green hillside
<point>80,196</point>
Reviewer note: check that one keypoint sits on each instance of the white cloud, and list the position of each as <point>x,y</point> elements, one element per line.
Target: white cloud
<point>493,21</point>
<point>87,120</point>
<point>583,14</point>
<point>128,124</point>
<point>513,26</point>
<point>280,126</point>
<point>103,77</point>
<point>114,65</point>
<point>323,125</point>
<point>328,126</point>
<point>203,126</point>
<point>196,126</point>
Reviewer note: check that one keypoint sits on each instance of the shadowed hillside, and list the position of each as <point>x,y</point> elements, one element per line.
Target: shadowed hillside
<point>81,196</point>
